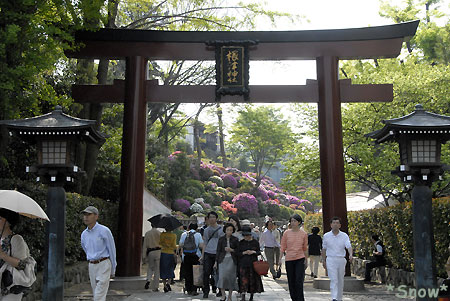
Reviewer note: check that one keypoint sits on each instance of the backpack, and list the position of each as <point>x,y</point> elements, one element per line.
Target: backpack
<point>189,242</point>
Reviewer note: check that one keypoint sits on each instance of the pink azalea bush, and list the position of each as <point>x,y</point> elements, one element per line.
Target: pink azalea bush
<point>246,204</point>
<point>262,193</point>
<point>181,205</point>
<point>229,181</point>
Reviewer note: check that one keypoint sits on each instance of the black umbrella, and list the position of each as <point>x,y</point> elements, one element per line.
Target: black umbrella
<point>166,221</point>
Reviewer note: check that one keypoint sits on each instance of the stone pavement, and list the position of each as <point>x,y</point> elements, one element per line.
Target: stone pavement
<point>274,290</point>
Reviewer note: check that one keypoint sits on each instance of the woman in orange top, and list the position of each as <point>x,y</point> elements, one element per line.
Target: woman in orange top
<point>295,243</point>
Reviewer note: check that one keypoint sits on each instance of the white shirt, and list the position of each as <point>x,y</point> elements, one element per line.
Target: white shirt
<point>335,245</point>
<point>198,240</point>
<point>98,243</point>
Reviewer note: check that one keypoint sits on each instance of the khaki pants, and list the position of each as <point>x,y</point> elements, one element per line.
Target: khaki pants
<point>153,260</point>
<point>272,256</point>
<point>99,274</point>
<point>314,264</point>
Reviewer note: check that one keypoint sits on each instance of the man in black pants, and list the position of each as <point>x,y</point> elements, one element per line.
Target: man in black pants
<point>191,243</point>
<point>210,238</point>
<point>379,257</point>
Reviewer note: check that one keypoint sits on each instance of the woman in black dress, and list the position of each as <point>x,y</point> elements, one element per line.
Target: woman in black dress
<point>248,251</point>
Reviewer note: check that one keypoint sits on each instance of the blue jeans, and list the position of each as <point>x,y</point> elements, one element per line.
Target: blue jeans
<point>295,270</point>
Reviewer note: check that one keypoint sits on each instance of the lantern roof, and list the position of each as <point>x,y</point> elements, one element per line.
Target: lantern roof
<point>418,122</point>
<point>55,123</point>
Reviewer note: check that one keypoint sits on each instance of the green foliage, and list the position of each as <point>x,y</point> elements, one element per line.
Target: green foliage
<point>261,133</point>
<point>33,231</point>
<point>394,225</point>
<point>217,180</point>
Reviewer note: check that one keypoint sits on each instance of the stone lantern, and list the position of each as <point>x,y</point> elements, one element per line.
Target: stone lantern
<point>57,137</point>
<point>420,136</point>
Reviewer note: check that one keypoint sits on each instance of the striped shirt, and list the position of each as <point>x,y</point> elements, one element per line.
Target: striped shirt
<point>295,244</point>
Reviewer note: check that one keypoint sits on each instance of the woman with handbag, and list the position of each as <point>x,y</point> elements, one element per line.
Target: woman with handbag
<point>168,243</point>
<point>295,243</point>
<point>226,258</point>
<point>14,256</point>
<point>248,251</point>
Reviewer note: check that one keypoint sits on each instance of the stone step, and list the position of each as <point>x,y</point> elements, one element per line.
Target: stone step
<point>351,284</point>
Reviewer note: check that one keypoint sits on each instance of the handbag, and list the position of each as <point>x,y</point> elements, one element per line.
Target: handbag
<point>261,267</point>
<point>278,272</point>
<point>197,271</point>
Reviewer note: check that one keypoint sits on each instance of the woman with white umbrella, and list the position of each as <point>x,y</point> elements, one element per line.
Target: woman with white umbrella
<point>14,254</point>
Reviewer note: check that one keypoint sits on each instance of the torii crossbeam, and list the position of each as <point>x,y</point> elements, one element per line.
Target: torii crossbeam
<point>327,47</point>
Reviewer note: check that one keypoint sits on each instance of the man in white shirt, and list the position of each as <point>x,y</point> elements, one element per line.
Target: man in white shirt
<point>98,244</point>
<point>271,246</point>
<point>333,254</point>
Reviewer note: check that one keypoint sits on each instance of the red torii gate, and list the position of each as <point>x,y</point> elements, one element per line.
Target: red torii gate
<point>327,47</point>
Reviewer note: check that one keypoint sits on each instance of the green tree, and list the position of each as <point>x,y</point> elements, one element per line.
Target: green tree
<point>261,133</point>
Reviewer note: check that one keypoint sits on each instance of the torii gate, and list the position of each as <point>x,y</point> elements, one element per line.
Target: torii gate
<point>327,47</point>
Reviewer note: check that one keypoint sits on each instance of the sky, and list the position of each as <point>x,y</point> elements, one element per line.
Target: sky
<point>317,14</point>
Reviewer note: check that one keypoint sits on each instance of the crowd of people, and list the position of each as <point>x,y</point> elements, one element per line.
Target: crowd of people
<point>224,253</point>
<point>226,250</point>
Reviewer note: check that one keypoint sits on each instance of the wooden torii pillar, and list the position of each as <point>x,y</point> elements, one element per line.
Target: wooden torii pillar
<point>327,47</point>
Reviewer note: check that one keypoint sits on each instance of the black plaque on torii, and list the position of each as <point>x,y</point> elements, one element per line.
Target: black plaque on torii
<point>232,67</point>
<point>326,47</point>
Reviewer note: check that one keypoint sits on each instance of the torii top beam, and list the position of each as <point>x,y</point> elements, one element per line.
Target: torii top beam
<point>352,43</point>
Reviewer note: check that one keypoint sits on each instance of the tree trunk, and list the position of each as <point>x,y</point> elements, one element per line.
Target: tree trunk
<point>197,143</point>
<point>221,136</point>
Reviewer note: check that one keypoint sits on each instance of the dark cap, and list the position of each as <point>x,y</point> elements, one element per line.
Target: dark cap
<point>11,216</point>
<point>246,230</point>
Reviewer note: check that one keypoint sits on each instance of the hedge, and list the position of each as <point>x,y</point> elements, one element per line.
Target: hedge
<point>33,231</point>
<point>394,225</point>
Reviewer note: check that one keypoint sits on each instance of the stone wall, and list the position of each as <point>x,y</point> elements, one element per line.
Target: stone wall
<point>73,274</point>
<point>389,275</point>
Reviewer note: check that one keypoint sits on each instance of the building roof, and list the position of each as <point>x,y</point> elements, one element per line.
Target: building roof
<point>54,123</point>
<point>418,122</point>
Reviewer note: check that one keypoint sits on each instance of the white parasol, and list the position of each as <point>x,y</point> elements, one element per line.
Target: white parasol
<point>22,204</point>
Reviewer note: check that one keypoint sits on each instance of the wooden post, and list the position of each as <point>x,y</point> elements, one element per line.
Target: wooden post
<point>133,169</point>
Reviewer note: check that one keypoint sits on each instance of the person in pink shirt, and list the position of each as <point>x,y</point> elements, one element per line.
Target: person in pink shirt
<point>295,244</point>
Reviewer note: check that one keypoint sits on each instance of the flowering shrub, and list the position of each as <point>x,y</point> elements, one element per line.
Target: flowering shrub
<point>217,180</point>
<point>210,186</point>
<point>283,199</point>
<point>262,193</point>
<point>229,181</point>
<point>205,172</point>
<point>173,156</point>
<point>196,208</point>
<point>181,205</point>
<point>228,207</point>
<point>271,194</point>
<point>246,204</point>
